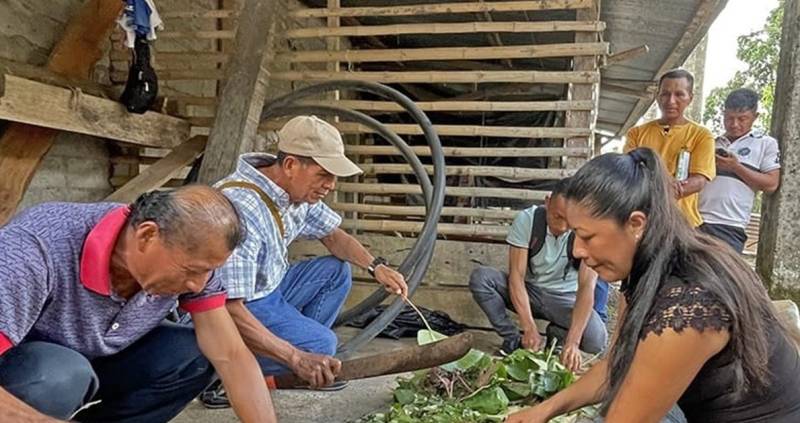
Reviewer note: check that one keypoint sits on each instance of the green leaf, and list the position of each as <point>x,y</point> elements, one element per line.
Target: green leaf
<point>425,337</point>
<point>472,358</point>
<point>516,390</point>
<point>489,401</point>
<point>404,396</point>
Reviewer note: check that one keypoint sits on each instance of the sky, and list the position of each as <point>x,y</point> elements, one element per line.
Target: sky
<point>740,17</point>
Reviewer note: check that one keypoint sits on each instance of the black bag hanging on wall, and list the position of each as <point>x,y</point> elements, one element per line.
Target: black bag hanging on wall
<point>141,88</point>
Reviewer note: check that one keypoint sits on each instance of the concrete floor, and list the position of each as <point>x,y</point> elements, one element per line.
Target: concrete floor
<point>360,397</point>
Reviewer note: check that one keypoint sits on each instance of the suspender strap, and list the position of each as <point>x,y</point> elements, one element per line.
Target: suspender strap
<point>273,209</point>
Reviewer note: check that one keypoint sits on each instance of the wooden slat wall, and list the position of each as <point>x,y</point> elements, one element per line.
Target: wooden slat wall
<point>193,50</point>
<point>317,48</point>
<point>384,207</point>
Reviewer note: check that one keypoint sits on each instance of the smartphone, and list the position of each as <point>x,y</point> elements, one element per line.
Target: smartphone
<point>722,152</point>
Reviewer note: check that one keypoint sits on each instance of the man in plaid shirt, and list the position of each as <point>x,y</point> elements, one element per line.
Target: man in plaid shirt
<point>284,311</point>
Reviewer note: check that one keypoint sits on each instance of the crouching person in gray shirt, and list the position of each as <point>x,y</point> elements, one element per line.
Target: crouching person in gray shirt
<point>544,281</point>
<point>84,290</point>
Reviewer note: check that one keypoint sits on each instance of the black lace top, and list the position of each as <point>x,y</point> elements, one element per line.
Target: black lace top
<point>714,396</point>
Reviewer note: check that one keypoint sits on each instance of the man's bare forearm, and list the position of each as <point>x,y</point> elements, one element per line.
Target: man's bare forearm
<point>221,343</point>
<point>767,182</point>
<point>257,337</point>
<point>239,373</point>
<point>347,248</point>
<point>584,302</point>
<point>14,410</point>
<point>694,184</point>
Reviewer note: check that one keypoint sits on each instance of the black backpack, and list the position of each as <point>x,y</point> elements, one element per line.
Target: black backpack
<point>538,235</point>
<point>141,88</point>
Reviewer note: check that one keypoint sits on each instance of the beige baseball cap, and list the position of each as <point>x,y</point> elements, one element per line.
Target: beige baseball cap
<point>310,136</point>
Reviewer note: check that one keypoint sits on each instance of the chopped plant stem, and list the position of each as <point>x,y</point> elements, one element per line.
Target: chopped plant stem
<point>408,301</point>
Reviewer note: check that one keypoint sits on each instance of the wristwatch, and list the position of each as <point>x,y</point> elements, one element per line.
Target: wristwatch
<point>375,263</point>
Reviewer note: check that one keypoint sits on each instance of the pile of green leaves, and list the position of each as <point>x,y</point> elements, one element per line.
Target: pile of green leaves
<point>478,388</point>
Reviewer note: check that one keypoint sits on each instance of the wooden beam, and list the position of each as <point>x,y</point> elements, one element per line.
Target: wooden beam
<point>460,106</point>
<point>644,94</point>
<point>380,209</point>
<point>199,14</point>
<point>452,260</point>
<point>625,55</point>
<point>464,77</point>
<point>583,92</point>
<point>195,35</point>
<point>246,80</point>
<point>386,189</point>
<point>160,172</point>
<point>505,172</point>
<point>424,151</point>
<point>43,105</point>
<point>458,130</point>
<point>447,53</point>
<point>446,28</point>
<point>43,75</point>
<point>445,8</point>
<point>22,146</point>
<point>481,230</point>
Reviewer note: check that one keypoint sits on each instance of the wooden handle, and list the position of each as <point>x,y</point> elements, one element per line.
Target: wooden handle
<point>401,361</point>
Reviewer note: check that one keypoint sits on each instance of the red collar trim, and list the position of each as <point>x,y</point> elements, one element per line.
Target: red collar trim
<point>95,271</point>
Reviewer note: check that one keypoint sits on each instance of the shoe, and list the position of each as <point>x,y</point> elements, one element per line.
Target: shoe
<point>335,386</point>
<point>215,397</point>
<point>510,344</point>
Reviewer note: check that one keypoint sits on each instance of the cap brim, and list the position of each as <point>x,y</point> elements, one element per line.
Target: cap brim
<point>339,166</point>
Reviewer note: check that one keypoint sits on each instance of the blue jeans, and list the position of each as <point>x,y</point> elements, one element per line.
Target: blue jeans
<point>150,381</point>
<point>674,415</point>
<point>489,288</point>
<point>304,306</point>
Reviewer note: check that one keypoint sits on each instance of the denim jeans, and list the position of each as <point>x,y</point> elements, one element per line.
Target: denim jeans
<point>489,288</point>
<point>151,381</point>
<point>675,415</point>
<point>304,307</point>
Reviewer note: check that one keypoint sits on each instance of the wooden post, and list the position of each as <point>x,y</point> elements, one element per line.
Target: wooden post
<point>22,146</point>
<point>246,80</point>
<point>578,92</point>
<point>778,260</point>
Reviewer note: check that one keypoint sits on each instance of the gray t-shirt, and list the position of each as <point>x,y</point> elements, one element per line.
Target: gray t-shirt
<point>727,200</point>
<point>551,261</point>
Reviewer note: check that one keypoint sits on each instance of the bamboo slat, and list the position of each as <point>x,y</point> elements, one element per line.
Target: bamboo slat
<point>467,77</point>
<point>199,14</point>
<point>446,28</point>
<point>194,57</point>
<point>493,231</point>
<point>203,35</point>
<point>442,8</point>
<point>381,209</point>
<point>447,53</point>
<point>377,189</point>
<point>460,106</point>
<point>449,130</point>
<point>388,150</point>
<point>518,173</point>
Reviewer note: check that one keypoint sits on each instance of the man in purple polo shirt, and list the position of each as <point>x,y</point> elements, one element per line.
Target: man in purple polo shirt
<point>84,289</point>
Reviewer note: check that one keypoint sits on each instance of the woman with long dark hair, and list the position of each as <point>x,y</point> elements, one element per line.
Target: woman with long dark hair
<point>696,327</point>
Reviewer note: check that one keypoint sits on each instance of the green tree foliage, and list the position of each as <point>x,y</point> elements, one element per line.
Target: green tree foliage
<point>760,51</point>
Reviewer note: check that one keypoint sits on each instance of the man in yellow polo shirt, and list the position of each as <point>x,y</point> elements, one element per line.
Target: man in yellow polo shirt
<point>686,147</point>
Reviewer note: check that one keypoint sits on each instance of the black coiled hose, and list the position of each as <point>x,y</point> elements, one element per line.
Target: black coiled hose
<point>419,257</point>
